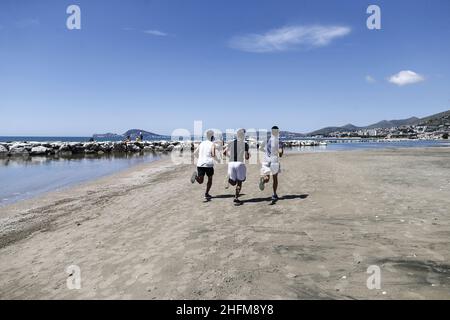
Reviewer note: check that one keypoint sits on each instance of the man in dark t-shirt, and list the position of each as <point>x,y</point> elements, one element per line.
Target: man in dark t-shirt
<point>237,151</point>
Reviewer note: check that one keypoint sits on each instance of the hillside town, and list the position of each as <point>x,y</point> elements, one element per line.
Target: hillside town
<point>406,132</point>
<point>430,128</point>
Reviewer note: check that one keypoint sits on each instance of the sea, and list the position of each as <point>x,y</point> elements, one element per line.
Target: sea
<point>27,177</point>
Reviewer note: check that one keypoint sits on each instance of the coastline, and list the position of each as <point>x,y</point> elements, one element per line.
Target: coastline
<point>342,212</point>
<point>39,174</point>
<point>30,211</point>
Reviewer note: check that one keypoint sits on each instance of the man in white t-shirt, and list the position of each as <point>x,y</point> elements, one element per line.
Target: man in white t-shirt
<point>271,165</point>
<point>206,152</point>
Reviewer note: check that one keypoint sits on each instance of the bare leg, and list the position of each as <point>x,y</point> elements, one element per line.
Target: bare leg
<point>238,189</point>
<point>275,183</point>
<point>199,179</point>
<point>209,184</point>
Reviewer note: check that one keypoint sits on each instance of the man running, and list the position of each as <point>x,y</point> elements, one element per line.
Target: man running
<point>238,151</point>
<point>271,165</point>
<point>206,152</point>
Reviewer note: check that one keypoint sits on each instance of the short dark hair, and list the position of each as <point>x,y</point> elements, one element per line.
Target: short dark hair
<point>275,128</point>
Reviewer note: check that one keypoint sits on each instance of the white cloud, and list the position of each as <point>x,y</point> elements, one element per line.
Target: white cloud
<point>287,38</point>
<point>406,77</point>
<point>156,33</point>
<point>370,79</point>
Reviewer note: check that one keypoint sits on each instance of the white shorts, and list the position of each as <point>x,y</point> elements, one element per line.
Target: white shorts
<point>270,168</point>
<point>237,171</point>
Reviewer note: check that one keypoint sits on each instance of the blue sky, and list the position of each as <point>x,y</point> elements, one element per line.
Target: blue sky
<point>160,65</point>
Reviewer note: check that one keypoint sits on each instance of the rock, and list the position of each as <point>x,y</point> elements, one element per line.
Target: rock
<point>77,148</point>
<point>91,146</point>
<point>40,150</point>
<point>140,145</point>
<point>19,148</point>
<point>119,147</point>
<point>105,147</point>
<point>56,146</point>
<point>169,148</point>
<point>131,147</point>
<point>64,147</point>
<point>21,145</point>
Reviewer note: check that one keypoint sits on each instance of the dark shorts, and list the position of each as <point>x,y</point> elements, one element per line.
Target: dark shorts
<point>201,171</point>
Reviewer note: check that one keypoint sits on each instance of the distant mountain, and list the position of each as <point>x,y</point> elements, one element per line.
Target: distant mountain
<point>290,135</point>
<point>133,133</point>
<point>393,123</point>
<point>328,130</point>
<point>433,120</point>
<point>106,135</point>
<point>437,119</point>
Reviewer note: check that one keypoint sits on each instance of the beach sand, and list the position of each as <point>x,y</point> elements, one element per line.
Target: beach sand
<point>146,233</point>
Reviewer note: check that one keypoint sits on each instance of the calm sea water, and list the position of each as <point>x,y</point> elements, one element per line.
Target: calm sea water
<point>23,178</point>
<point>347,146</point>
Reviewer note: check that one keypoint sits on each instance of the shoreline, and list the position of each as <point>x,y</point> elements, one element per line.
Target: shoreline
<point>59,195</point>
<point>166,155</point>
<point>76,149</point>
<point>44,201</point>
<point>340,213</point>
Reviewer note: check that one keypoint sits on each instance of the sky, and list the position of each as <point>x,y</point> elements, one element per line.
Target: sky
<point>161,65</point>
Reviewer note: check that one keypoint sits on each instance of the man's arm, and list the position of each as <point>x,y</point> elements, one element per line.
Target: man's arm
<point>225,150</point>
<point>281,149</point>
<point>247,153</point>
<point>196,151</point>
<point>214,153</point>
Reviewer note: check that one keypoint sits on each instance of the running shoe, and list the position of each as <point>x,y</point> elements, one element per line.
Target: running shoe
<point>194,176</point>
<point>261,183</point>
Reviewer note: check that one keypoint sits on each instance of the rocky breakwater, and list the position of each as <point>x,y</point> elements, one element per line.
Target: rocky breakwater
<point>78,148</point>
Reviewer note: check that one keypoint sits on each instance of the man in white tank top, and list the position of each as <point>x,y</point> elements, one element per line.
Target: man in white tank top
<point>206,153</point>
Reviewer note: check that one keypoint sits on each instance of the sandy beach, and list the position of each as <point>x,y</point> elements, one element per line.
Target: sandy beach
<point>146,233</point>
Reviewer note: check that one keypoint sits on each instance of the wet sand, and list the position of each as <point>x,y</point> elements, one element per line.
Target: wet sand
<point>146,233</point>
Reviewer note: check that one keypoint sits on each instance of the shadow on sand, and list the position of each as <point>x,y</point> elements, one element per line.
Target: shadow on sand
<point>269,199</point>
<point>225,196</point>
<point>265,199</point>
<point>222,196</point>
